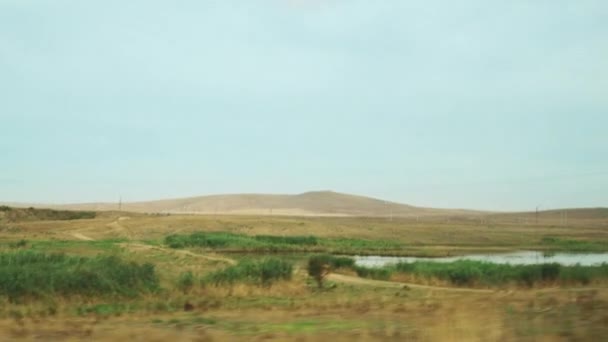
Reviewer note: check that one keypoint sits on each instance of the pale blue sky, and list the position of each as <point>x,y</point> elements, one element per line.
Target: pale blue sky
<point>473,103</point>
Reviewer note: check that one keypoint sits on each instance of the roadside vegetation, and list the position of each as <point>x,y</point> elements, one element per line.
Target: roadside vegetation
<point>30,275</point>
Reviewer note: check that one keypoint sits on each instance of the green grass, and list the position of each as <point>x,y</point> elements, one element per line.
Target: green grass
<point>333,261</point>
<point>295,327</point>
<point>18,244</point>
<point>230,240</point>
<point>288,240</point>
<point>574,245</point>
<point>27,274</point>
<point>185,281</point>
<point>274,244</point>
<point>345,244</point>
<point>72,247</point>
<point>111,309</point>
<point>384,273</point>
<point>262,272</point>
<point>471,273</point>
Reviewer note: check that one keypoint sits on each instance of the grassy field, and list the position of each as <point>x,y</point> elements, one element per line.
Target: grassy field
<point>120,276</point>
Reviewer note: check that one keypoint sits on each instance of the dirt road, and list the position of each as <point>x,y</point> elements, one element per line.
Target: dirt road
<point>341,278</point>
<point>141,246</point>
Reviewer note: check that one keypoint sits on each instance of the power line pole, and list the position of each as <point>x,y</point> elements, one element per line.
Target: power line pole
<point>120,203</point>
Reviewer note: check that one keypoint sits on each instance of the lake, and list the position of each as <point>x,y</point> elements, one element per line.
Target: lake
<point>514,258</point>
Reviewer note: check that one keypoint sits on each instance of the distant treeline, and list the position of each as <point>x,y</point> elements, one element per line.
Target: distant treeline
<point>33,214</point>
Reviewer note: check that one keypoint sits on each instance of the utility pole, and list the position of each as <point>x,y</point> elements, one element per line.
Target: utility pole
<point>389,209</point>
<point>537,207</point>
<point>565,218</point>
<point>120,203</point>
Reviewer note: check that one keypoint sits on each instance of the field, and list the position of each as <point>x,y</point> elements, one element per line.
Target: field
<point>125,276</point>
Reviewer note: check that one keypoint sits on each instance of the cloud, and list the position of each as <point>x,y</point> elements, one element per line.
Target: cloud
<point>305,4</point>
<point>9,181</point>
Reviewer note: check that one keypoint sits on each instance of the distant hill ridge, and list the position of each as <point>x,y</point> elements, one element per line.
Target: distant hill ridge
<point>315,203</point>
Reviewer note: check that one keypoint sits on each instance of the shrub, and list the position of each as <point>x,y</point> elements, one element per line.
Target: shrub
<point>185,281</point>
<point>550,272</point>
<point>580,274</point>
<point>264,272</point>
<point>210,240</point>
<point>319,267</point>
<point>341,262</point>
<point>288,240</point>
<point>18,244</point>
<point>27,274</point>
<point>466,272</point>
<point>384,273</point>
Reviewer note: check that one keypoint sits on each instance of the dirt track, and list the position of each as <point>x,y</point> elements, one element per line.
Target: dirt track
<point>141,246</point>
<point>83,237</point>
<point>341,278</point>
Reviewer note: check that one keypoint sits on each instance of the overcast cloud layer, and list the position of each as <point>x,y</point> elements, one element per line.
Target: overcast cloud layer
<point>476,104</point>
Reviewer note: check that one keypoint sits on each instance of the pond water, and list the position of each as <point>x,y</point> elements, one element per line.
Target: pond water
<point>515,258</point>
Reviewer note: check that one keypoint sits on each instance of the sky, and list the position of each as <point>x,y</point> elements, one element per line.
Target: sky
<point>499,105</point>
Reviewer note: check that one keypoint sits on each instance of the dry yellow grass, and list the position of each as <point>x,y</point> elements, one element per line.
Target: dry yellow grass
<point>291,312</point>
<point>435,238</point>
<point>295,310</point>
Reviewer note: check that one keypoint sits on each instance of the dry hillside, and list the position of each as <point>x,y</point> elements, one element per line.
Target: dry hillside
<point>319,203</point>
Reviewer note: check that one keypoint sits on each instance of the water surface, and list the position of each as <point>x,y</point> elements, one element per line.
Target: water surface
<point>515,258</point>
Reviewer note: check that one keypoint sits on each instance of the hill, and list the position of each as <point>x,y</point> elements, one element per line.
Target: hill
<point>32,214</point>
<point>324,203</point>
<point>317,203</point>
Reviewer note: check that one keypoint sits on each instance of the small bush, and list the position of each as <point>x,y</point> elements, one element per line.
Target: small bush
<point>467,273</point>
<point>209,240</point>
<point>288,240</point>
<point>550,272</point>
<point>341,262</point>
<point>374,273</point>
<point>185,281</point>
<point>264,272</point>
<point>319,267</point>
<point>18,244</point>
<point>580,274</point>
<point>27,274</point>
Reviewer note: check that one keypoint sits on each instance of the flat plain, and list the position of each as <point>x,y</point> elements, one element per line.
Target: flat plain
<point>215,278</point>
